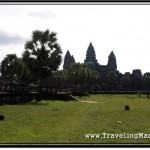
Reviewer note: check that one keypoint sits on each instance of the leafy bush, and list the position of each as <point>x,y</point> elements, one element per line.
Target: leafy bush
<point>95,88</point>
<point>104,86</point>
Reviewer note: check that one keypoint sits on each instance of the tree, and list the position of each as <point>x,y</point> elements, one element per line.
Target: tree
<point>94,80</point>
<point>12,67</point>
<point>125,82</point>
<point>136,81</point>
<point>95,76</point>
<point>78,74</point>
<point>27,77</point>
<point>112,79</point>
<point>59,77</point>
<point>104,86</point>
<point>146,81</point>
<point>42,55</point>
<point>119,87</point>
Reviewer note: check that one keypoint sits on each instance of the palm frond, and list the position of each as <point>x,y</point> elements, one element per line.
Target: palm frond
<point>36,35</point>
<point>29,45</point>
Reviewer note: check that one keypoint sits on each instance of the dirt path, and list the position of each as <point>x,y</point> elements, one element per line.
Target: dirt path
<point>91,102</point>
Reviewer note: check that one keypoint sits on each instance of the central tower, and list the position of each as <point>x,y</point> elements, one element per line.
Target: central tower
<point>91,60</point>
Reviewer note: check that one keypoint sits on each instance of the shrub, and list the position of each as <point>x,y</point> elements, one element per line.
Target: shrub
<point>95,88</point>
<point>104,86</point>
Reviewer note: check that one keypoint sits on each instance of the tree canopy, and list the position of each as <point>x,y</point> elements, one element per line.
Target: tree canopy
<point>112,79</point>
<point>78,73</point>
<point>11,66</point>
<point>42,53</point>
<point>59,77</point>
<point>125,82</point>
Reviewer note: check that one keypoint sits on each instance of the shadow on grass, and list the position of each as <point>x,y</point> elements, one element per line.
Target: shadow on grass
<point>29,103</point>
<point>137,97</point>
<point>130,97</point>
<point>37,104</point>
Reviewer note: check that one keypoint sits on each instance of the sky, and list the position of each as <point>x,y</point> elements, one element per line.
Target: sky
<point>125,29</point>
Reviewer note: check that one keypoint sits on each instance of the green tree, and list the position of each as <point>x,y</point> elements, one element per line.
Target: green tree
<point>12,67</point>
<point>104,86</point>
<point>146,81</point>
<point>125,82</point>
<point>27,77</point>
<point>42,55</point>
<point>112,79</point>
<point>119,87</point>
<point>59,77</point>
<point>95,76</point>
<point>94,80</point>
<point>78,74</point>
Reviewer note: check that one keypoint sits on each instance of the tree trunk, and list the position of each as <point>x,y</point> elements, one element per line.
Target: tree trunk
<point>147,94</point>
<point>56,90</point>
<point>39,98</point>
<point>76,87</point>
<point>111,89</point>
<point>139,94</point>
<point>0,101</point>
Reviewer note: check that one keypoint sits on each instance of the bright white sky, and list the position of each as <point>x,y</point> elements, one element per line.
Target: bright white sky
<point>125,29</point>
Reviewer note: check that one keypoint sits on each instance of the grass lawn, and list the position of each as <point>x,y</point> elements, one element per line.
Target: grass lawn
<point>68,122</point>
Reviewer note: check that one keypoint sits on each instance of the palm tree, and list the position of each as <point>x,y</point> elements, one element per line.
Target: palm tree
<point>42,55</point>
<point>112,79</point>
<point>78,74</point>
<point>59,77</point>
<point>125,82</point>
<point>94,79</point>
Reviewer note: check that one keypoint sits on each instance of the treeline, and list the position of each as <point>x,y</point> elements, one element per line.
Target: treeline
<point>80,77</point>
<point>41,59</point>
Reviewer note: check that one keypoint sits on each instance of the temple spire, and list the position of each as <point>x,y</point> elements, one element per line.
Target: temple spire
<point>90,54</point>
<point>112,61</point>
<point>68,60</point>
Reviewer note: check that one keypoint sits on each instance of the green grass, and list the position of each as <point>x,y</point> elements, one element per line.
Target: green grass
<point>68,122</point>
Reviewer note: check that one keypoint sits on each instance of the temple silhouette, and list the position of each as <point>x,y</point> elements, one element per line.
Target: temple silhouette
<point>92,63</point>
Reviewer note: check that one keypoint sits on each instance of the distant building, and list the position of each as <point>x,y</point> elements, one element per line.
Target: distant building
<point>68,60</point>
<point>93,64</point>
<point>136,79</point>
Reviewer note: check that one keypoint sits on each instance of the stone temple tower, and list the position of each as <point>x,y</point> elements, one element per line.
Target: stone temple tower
<point>68,60</point>
<point>112,65</point>
<point>90,59</point>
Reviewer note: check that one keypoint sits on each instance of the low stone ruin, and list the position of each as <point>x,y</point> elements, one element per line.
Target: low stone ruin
<point>127,108</point>
<point>1,117</point>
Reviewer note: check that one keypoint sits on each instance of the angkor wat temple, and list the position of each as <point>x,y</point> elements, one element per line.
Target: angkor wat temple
<point>93,64</point>
<point>91,61</point>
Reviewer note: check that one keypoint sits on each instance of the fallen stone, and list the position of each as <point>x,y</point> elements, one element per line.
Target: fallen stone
<point>1,117</point>
<point>119,122</point>
<point>127,107</point>
<point>88,102</point>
